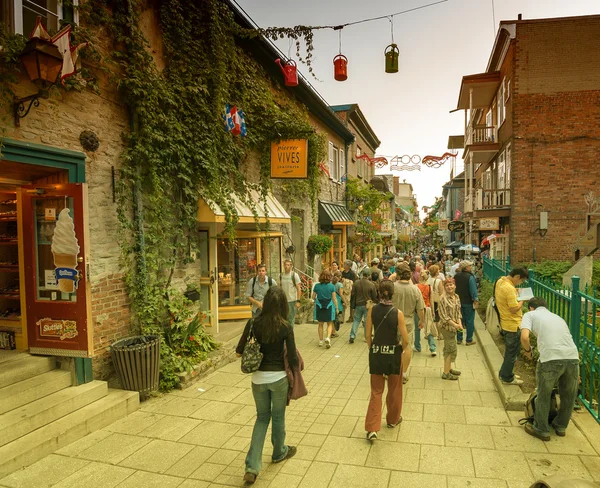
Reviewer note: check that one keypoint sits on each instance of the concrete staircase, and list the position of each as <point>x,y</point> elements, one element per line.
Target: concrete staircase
<point>41,412</point>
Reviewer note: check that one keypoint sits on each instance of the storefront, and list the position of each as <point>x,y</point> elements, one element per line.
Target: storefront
<point>334,220</point>
<point>44,251</point>
<point>230,268</point>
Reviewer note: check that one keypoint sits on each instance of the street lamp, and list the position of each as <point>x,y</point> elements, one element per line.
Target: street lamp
<point>43,63</point>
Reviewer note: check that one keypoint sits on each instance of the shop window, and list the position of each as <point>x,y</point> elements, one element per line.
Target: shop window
<point>235,267</point>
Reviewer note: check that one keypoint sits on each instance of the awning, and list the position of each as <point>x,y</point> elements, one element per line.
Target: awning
<point>331,213</point>
<point>209,211</point>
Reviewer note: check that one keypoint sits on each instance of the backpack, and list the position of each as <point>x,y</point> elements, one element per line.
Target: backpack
<point>294,282</point>
<point>529,408</point>
<point>269,281</point>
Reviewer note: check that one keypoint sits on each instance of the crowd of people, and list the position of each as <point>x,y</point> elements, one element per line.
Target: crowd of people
<point>398,301</point>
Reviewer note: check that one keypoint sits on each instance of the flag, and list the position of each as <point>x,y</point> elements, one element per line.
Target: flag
<point>62,40</point>
<point>243,130</point>
<point>229,125</point>
<point>39,30</point>
<point>457,214</point>
<point>237,124</point>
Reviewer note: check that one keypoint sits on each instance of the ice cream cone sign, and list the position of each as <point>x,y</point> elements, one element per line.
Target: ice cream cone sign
<point>65,250</point>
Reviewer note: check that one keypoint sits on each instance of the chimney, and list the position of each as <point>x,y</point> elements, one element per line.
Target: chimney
<point>520,17</point>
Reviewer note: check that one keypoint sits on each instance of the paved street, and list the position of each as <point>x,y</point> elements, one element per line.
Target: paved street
<point>454,434</point>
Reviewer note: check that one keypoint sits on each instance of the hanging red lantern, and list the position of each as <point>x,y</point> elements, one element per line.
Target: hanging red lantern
<point>340,67</point>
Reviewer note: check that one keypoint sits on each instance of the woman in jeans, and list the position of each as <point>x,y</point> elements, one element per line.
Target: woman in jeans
<point>388,325</point>
<point>270,382</point>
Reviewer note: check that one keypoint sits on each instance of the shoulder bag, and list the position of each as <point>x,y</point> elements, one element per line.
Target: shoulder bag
<point>251,357</point>
<point>385,359</point>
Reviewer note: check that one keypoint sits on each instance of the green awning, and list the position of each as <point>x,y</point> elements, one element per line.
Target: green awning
<point>331,213</point>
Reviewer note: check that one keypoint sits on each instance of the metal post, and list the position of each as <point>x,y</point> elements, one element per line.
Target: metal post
<point>530,278</point>
<point>575,324</point>
<point>507,267</point>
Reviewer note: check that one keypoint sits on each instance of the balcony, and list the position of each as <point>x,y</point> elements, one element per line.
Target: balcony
<point>481,144</point>
<point>492,203</point>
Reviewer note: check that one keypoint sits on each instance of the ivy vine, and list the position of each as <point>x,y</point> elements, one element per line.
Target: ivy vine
<point>178,151</point>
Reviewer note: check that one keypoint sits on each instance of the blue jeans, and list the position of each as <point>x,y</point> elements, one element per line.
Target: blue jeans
<point>270,399</point>
<point>292,313</point>
<point>430,339</point>
<point>566,373</point>
<point>360,316</point>
<point>468,321</point>
<point>512,343</point>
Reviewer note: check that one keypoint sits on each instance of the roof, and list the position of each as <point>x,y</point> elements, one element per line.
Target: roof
<point>359,122</point>
<point>331,213</point>
<point>484,87</point>
<point>209,211</point>
<point>265,53</point>
<point>456,142</point>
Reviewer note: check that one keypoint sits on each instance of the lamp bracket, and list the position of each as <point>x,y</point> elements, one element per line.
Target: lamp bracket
<point>19,106</point>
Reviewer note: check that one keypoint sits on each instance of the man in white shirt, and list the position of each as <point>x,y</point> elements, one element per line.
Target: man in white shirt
<point>290,283</point>
<point>454,268</point>
<point>558,363</point>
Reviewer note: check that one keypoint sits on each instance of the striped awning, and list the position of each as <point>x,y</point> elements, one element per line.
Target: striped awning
<point>273,211</point>
<point>331,213</point>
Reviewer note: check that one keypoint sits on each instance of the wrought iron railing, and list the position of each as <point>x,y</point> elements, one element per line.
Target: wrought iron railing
<point>581,310</point>
<point>306,282</point>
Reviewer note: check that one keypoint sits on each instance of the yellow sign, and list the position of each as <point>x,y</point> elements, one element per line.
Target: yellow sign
<point>489,223</point>
<point>289,159</point>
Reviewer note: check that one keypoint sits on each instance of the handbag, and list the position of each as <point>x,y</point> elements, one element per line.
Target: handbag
<point>385,359</point>
<point>251,356</point>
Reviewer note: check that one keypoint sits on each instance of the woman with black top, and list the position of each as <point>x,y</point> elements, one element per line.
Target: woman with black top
<point>270,382</point>
<point>389,326</point>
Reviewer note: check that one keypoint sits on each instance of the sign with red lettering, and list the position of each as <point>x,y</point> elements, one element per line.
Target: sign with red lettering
<point>289,159</point>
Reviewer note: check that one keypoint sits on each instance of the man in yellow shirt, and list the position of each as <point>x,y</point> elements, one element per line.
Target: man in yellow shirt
<point>511,313</point>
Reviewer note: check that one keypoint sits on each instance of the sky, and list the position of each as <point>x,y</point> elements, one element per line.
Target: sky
<point>410,110</point>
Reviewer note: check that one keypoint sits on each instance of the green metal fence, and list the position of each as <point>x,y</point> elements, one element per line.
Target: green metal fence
<point>581,310</point>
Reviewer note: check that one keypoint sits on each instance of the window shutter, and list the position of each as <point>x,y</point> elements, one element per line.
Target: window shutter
<point>342,165</point>
<point>331,150</point>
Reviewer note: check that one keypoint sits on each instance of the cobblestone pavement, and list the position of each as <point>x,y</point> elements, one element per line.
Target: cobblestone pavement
<point>454,434</point>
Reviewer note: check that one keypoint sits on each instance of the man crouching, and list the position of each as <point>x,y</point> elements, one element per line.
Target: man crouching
<point>558,363</point>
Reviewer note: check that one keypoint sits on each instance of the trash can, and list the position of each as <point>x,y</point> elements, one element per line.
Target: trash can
<point>136,361</point>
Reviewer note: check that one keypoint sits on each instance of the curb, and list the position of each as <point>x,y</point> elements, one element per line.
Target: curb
<point>511,395</point>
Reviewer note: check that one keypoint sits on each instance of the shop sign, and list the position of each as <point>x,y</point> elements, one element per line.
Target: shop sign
<point>456,225</point>
<point>489,223</point>
<point>443,224</point>
<point>289,159</point>
<point>63,329</point>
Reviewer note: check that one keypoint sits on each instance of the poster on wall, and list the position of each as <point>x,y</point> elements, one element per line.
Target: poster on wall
<point>443,224</point>
<point>65,249</point>
<point>289,159</point>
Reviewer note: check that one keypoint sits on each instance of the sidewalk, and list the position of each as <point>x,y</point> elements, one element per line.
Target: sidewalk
<point>454,434</point>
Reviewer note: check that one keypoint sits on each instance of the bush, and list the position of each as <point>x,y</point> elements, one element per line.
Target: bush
<point>485,293</point>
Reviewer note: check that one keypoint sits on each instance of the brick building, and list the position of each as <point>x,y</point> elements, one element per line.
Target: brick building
<point>532,138</point>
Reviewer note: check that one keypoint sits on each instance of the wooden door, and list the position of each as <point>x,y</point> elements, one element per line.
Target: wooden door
<point>56,258</point>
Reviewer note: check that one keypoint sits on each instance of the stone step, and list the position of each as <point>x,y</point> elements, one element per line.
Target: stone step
<point>24,368</point>
<point>27,418</point>
<point>34,446</point>
<point>29,390</point>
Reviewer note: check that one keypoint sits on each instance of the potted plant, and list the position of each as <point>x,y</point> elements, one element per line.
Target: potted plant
<point>318,244</point>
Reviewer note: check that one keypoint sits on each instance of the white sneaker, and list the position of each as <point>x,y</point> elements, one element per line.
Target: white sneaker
<point>515,381</point>
<point>328,343</point>
<point>433,354</point>
<point>320,343</point>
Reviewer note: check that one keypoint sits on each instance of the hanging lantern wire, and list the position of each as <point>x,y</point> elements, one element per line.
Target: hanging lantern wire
<point>340,41</point>
<point>391,19</point>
